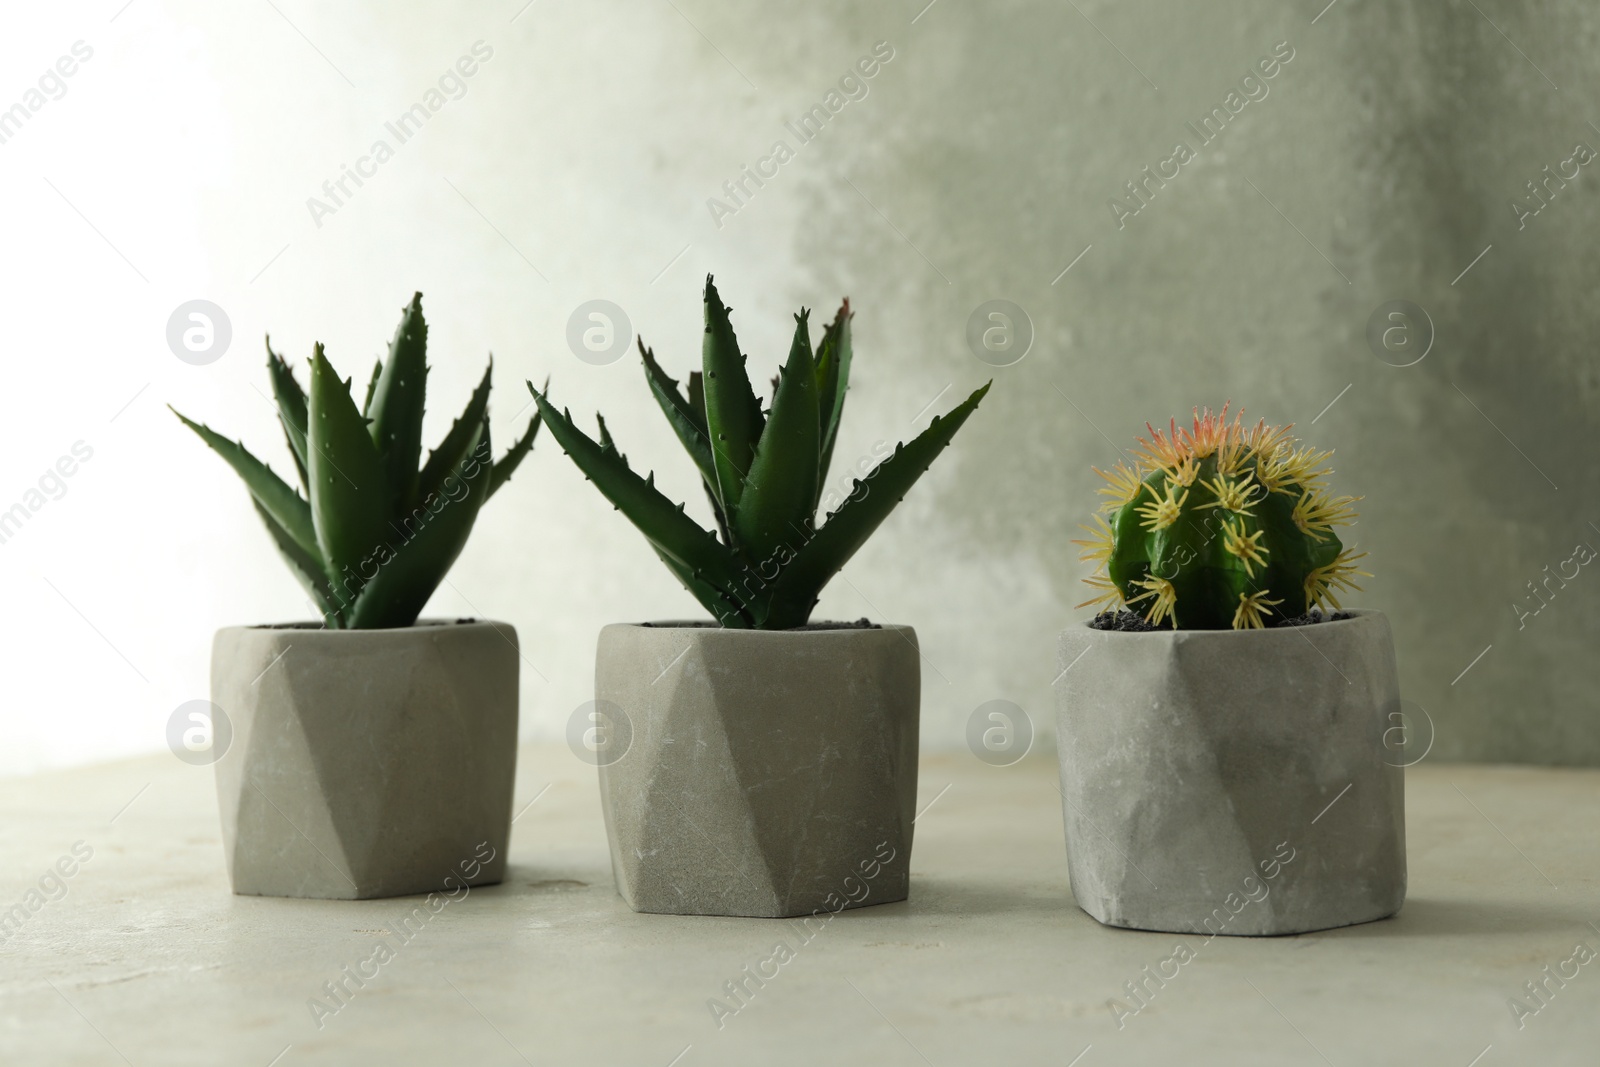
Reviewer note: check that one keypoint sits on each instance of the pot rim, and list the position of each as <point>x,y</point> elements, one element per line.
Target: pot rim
<point>696,626</point>
<point>309,627</point>
<point>1356,615</point>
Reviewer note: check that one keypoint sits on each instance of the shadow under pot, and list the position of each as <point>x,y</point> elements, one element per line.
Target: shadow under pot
<point>366,763</point>
<point>757,773</point>
<point>1233,781</point>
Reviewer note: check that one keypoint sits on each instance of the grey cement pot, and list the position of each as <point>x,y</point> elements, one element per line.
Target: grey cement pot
<point>768,774</point>
<point>1234,782</point>
<point>366,763</point>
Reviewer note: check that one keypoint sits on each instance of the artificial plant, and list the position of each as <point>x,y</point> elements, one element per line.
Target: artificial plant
<point>373,535</point>
<point>763,470</point>
<point>1220,525</point>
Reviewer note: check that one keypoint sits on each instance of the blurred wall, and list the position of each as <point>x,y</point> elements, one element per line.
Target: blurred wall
<point>986,158</point>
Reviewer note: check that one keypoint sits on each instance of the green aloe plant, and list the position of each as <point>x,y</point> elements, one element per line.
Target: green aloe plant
<point>373,535</point>
<point>763,471</point>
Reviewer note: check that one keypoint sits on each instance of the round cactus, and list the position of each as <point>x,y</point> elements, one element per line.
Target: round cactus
<point>1220,525</point>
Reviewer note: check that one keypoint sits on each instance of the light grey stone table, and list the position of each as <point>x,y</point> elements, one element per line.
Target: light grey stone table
<point>144,957</point>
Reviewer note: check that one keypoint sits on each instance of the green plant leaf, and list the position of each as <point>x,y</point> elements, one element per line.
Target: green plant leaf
<point>688,423</point>
<point>368,549</point>
<point>291,410</point>
<point>733,415</point>
<point>286,507</point>
<point>723,608</point>
<point>697,396</point>
<point>372,387</point>
<point>697,404</point>
<point>795,590</point>
<point>425,546</point>
<point>833,380</point>
<point>397,403</point>
<point>349,487</point>
<point>308,569</point>
<point>780,494</point>
<point>662,522</point>
<point>507,465</point>
<point>454,451</point>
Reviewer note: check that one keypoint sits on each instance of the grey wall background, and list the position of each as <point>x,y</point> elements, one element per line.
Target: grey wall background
<point>1380,165</point>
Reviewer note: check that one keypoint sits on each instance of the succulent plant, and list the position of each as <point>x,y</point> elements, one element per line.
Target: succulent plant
<point>764,472</point>
<point>373,535</point>
<point>1220,525</point>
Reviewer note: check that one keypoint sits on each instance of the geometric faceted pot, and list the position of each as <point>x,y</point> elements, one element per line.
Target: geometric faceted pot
<point>1233,781</point>
<point>755,772</point>
<point>366,763</point>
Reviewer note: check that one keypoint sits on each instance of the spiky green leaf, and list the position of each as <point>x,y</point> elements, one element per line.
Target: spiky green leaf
<point>688,423</point>
<point>725,609</point>
<point>291,410</point>
<point>664,523</point>
<point>307,568</point>
<point>372,387</point>
<point>780,496</point>
<point>349,486</point>
<point>507,464</point>
<point>795,591</point>
<point>398,402</point>
<point>833,380</point>
<point>455,451</point>
<point>733,415</point>
<point>607,445</point>
<point>287,507</point>
<point>697,396</point>
<point>425,545</point>
<point>697,404</point>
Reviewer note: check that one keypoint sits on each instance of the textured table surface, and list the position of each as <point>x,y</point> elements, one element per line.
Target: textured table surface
<point>142,956</point>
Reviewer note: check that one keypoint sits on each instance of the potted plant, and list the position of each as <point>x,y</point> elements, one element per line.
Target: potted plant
<point>772,766</point>
<point>1222,757</point>
<point>372,754</point>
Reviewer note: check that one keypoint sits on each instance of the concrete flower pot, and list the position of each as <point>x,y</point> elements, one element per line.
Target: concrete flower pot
<point>366,763</point>
<point>768,773</point>
<point>1233,782</point>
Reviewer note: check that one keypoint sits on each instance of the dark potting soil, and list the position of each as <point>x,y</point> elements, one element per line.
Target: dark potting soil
<point>859,624</point>
<point>1120,619</point>
<point>1132,622</point>
<point>1315,615</point>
